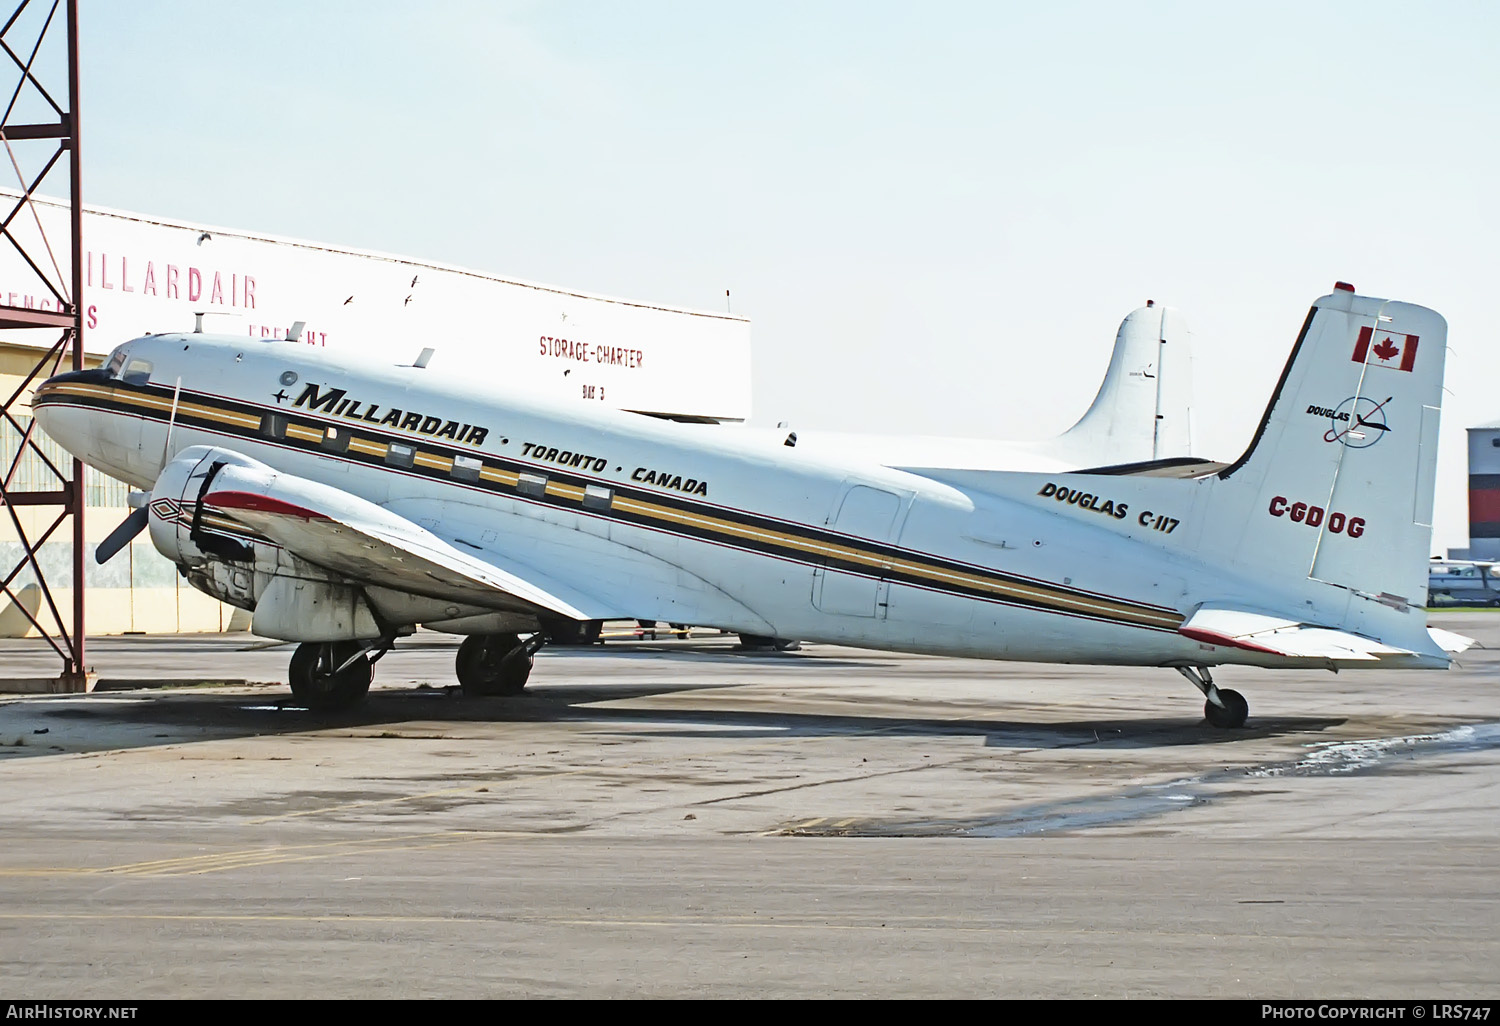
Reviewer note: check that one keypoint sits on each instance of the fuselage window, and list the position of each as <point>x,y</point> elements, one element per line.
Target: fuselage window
<point>466,468</point>
<point>398,455</point>
<point>532,484</point>
<point>115,363</point>
<point>597,497</point>
<point>273,425</point>
<point>335,440</point>
<point>137,372</point>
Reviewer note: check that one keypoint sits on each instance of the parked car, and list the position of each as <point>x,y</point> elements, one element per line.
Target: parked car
<point>1463,584</point>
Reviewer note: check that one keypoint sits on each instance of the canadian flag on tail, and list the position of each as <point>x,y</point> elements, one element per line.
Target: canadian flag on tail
<point>1386,349</point>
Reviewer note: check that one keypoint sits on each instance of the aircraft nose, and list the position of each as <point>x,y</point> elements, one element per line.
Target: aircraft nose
<point>55,404</point>
<point>92,376</point>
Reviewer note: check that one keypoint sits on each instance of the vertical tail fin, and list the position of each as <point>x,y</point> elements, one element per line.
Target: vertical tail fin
<point>1337,484</point>
<point>1143,409</point>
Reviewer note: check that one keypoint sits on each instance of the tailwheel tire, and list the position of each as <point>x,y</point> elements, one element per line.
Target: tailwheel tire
<point>1232,715</point>
<point>492,664</point>
<point>318,683</point>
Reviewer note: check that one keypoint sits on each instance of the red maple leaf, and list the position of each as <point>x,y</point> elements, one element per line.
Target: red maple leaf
<point>1387,348</point>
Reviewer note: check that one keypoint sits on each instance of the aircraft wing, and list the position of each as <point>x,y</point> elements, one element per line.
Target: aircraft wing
<point>357,539</point>
<point>1262,632</point>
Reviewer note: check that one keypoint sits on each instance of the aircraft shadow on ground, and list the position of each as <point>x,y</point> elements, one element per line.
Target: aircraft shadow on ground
<point>223,716</point>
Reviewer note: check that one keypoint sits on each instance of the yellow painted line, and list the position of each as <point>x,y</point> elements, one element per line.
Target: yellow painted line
<point>427,459</point>
<point>504,477</point>
<point>221,861</point>
<point>368,447</point>
<point>305,434</point>
<point>841,824</point>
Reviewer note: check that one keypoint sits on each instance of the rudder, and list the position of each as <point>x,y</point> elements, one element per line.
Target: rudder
<point>1338,483</point>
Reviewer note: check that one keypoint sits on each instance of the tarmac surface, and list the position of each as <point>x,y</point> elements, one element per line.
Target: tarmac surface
<point>682,819</point>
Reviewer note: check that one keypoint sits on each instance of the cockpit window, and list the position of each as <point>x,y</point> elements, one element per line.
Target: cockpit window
<point>137,372</point>
<point>116,361</point>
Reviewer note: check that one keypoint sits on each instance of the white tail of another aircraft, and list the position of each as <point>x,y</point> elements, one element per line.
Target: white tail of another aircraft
<point>1143,410</point>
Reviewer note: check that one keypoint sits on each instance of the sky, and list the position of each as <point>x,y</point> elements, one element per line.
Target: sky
<point>934,214</point>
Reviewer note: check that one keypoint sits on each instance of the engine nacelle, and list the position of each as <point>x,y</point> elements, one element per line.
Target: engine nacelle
<point>181,528</point>
<point>291,599</point>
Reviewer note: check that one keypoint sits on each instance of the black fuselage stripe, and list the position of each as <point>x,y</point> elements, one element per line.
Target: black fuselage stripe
<point>694,507</point>
<point>1052,599</point>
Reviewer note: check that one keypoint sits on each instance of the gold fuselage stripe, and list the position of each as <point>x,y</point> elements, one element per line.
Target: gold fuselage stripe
<point>942,578</point>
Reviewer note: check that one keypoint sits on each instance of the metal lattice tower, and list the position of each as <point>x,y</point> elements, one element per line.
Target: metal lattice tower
<point>38,129</point>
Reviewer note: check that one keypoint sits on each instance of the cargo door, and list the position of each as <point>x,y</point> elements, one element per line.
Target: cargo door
<point>850,579</point>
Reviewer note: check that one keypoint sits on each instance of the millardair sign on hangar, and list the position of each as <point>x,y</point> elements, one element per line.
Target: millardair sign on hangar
<point>145,274</point>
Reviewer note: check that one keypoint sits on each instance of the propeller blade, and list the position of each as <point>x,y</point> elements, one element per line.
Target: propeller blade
<point>166,445</point>
<point>121,536</point>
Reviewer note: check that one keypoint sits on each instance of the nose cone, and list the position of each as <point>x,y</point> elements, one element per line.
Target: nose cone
<point>61,406</point>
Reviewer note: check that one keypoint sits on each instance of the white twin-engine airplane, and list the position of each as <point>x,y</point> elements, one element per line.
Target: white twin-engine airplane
<point>345,505</point>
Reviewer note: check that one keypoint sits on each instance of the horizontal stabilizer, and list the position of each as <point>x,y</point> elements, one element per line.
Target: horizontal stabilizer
<point>1260,632</point>
<point>1448,641</point>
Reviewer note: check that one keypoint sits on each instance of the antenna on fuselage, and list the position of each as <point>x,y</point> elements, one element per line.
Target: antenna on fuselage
<point>294,333</point>
<point>198,322</point>
<point>424,357</point>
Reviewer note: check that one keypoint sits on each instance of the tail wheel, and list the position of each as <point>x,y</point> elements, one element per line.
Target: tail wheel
<point>319,683</point>
<point>1233,712</point>
<point>1224,708</point>
<point>492,664</point>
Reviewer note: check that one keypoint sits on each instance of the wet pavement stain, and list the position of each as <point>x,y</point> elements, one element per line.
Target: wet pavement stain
<point>1133,804</point>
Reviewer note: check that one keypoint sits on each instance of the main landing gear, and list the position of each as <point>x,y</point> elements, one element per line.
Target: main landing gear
<point>496,664</point>
<point>328,676</point>
<point>1224,708</point>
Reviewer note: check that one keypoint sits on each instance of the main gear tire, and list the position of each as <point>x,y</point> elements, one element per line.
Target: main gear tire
<point>318,683</point>
<point>492,664</point>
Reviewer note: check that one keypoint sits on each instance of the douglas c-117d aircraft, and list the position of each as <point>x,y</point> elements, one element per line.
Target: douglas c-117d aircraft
<point>345,505</point>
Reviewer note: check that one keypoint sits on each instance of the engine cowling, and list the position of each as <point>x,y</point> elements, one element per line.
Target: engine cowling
<point>182,529</point>
<point>222,558</point>
<point>290,598</point>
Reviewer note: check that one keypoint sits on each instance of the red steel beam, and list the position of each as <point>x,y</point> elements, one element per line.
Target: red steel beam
<point>68,498</point>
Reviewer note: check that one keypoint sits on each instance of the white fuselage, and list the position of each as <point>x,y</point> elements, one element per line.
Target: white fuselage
<point>737,532</point>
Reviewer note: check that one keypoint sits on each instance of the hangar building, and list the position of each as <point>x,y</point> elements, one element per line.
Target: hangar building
<point>149,274</point>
